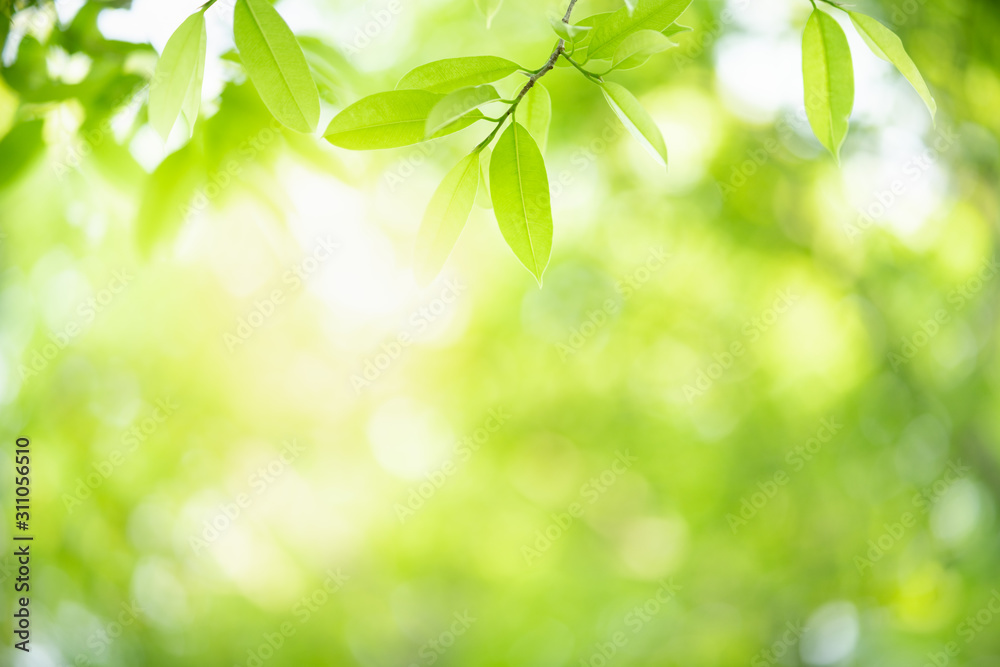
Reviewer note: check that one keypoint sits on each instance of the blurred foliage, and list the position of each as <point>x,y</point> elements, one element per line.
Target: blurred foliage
<point>128,271</point>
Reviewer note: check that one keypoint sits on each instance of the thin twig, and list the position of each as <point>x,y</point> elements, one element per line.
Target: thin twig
<point>532,78</point>
<point>569,10</point>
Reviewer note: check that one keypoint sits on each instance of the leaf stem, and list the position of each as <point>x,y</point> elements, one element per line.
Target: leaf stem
<point>596,78</point>
<point>560,49</point>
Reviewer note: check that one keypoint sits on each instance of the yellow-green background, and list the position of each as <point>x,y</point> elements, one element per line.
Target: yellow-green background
<point>69,224</point>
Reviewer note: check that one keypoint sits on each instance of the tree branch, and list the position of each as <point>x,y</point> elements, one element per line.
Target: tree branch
<point>569,10</point>
<point>535,76</point>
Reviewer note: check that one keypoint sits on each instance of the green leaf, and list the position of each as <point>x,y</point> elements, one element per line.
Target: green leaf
<point>450,74</point>
<point>176,85</point>
<point>636,119</point>
<point>483,195</point>
<point>535,113</point>
<point>519,188</point>
<point>332,72</point>
<point>828,76</point>
<point>648,15</point>
<point>489,9</point>
<point>675,29</point>
<point>885,44</point>
<point>638,47</point>
<point>275,63</point>
<point>630,4</point>
<point>455,105</point>
<point>568,32</point>
<point>445,218</point>
<point>388,120</point>
<point>579,48</point>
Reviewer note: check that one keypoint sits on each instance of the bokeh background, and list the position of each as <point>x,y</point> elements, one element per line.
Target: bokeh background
<point>751,419</point>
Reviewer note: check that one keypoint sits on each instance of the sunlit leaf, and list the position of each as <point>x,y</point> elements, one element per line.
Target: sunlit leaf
<point>455,105</point>
<point>483,194</point>
<point>568,31</point>
<point>535,113</point>
<point>580,46</point>
<point>332,72</point>
<point>176,85</point>
<point>638,47</point>
<point>389,119</point>
<point>445,76</point>
<point>675,29</point>
<point>445,218</point>
<point>886,45</point>
<point>610,31</point>
<point>519,188</point>
<point>828,76</point>
<point>489,9</point>
<point>275,63</point>
<point>636,119</point>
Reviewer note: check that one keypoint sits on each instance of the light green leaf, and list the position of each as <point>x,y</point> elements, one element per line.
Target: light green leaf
<point>450,74</point>
<point>630,4</point>
<point>489,9</point>
<point>579,48</point>
<point>483,195</point>
<point>636,119</point>
<point>567,31</point>
<point>192,101</point>
<point>535,113</point>
<point>387,120</point>
<point>275,64</point>
<point>445,218</point>
<point>885,44</point>
<point>675,29</point>
<point>519,188</point>
<point>648,15</point>
<point>638,47</point>
<point>176,85</point>
<point>455,105</point>
<point>828,76</point>
<point>332,72</point>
